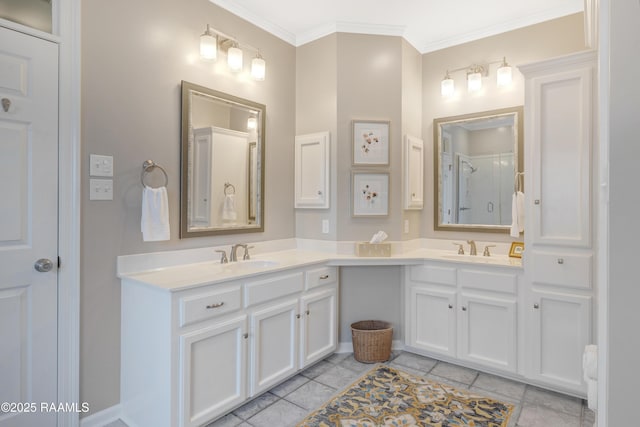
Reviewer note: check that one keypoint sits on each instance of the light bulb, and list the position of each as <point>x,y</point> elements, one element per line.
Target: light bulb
<point>474,81</point>
<point>208,45</point>
<point>258,68</point>
<point>446,86</point>
<point>504,74</point>
<point>252,123</point>
<point>234,59</point>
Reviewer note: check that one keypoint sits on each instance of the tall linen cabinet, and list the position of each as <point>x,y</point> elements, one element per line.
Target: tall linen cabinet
<point>560,132</point>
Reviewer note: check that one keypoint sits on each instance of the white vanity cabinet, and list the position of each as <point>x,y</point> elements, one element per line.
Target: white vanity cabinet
<point>190,356</point>
<point>560,128</point>
<point>463,313</point>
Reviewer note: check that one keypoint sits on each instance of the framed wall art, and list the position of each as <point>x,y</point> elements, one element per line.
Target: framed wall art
<point>370,193</point>
<point>370,143</point>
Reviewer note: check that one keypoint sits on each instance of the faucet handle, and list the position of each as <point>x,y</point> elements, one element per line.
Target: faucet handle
<point>223,257</point>
<point>486,250</point>
<point>246,252</point>
<point>460,248</point>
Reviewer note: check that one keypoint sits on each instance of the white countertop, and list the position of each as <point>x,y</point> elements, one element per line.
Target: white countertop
<point>190,275</point>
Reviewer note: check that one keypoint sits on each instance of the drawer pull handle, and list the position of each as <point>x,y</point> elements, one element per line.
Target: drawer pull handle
<point>560,261</point>
<point>324,277</point>
<point>450,306</point>
<point>536,306</point>
<point>464,308</point>
<point>215,305</point>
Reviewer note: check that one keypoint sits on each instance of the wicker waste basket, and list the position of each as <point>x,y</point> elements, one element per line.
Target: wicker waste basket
<point>371,341</point>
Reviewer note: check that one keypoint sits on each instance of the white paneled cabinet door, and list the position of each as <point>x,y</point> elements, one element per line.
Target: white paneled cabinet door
<point>318,333</point>
<point>213,364</point>
<point>28,226</point>
<point>487,332</point>
<point>433,320</point>
<point>561,329</point>
<point>312,171</point>
<point>274,344</point>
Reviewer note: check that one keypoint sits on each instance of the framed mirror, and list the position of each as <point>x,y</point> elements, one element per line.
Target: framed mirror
<point>476,157</point>
<point>222,173</point>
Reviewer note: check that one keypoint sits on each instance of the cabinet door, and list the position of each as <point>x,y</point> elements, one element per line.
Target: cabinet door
<point>213,364</point>
<point>559,134</point>
<point>413,173</point>
<point>561,325</point>
<point>432,318</point>
<point>312,171</point>
<point>318,332</point>
<point>274,344</point>
<point>487,333</point>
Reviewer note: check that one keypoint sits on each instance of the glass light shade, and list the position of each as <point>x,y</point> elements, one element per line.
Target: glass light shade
<point>474,82</point>
<point>252,123</point>
<point>447,87</point>
<point>208,46</point>
<point>258,68</point>
<point>504,75</point>
<point>234,59</point>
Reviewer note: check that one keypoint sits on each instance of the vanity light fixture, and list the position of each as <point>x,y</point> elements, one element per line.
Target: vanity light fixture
<point>474,74</point>
<point>474,78</point>
<point>504,74</point>
<point>252,123</point>
<point>446,86</point>
<point>213,40</point>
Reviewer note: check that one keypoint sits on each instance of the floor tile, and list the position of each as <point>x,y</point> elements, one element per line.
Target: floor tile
<point>552,400</point>
<point>406,369</point>
<point>419,363</point>
<point>289,386</point>
<point>336,358</point>
<point>226,421</point>
<point>499,385</point>
<point>534,415</point>
<point>256,405</point>
<point>454,372</point>
<point>338,377</point>
<point>317,369</point>
<point>359,367</point>
<point>280,414</point>
<point>443,380</point>
<point>311,395</point>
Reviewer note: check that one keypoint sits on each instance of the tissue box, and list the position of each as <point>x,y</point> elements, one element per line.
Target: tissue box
<point>366,249</point>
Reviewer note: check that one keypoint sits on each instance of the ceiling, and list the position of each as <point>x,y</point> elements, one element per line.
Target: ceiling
<point>427,24</point>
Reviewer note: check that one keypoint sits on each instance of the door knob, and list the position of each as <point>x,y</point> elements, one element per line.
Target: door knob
<point>43,265</point>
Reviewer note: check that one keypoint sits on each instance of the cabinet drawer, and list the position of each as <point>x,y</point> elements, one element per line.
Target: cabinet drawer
<point>488,280</point>
<point>274,287</point>
<point>321,276</point>
<point>433,274</point>
<point>210,304</point>
<point>573,271</point>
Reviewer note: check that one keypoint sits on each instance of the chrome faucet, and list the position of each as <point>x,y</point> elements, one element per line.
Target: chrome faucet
<point>472,247</point>
<point>233,255</point>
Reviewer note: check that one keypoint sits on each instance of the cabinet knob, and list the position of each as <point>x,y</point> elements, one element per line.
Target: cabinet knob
<point>536,306</point>
<point>560,261</point>
<point>245,335</point>
<point>450,306</point>
<point>215,305</point>
<point>464,308</point>
<point>536,201</point>
<point>308,312</point>
<point>319,193</point>
<point>297,316</point>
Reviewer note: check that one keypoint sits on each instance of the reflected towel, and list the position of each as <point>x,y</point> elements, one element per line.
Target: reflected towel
<point>590,362</point>
<point>229,208</point>
<point>154,221</point>
<point>517,214</point>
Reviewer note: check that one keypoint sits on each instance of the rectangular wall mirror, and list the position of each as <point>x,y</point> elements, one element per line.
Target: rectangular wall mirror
<point>222,174</point>
<point>476,157</point>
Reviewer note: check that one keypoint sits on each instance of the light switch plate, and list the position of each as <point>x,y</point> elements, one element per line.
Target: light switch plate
<point>100,189</point>
<point>100,165</point>
<point>325,226</point>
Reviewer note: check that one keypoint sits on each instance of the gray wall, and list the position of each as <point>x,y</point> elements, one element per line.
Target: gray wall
<point>624,201</point>
<point>134,55</point>
<point>546,40</point>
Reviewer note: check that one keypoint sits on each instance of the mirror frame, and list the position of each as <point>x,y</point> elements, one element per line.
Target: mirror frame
<point>186,88</point>
<point>518,164</point>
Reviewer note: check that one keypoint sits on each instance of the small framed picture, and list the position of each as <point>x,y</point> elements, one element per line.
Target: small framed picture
<point>370,192</point>
<point>370,143</point>
<point>517,248</point>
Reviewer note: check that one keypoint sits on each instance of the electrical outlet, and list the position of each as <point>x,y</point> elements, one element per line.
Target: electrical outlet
<point>406,226</point>
<point>100,189</point>
<point>325,226</point>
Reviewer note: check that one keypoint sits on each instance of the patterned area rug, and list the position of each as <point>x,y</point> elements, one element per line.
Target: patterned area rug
<point>387,397</point>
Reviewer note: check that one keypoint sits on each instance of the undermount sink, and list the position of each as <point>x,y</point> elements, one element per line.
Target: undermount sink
<point>478,259</point>
<point>250,264</point>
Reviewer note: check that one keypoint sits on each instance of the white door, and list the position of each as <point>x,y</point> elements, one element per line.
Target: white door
<point>318,333</point>
<point>433,320</point>
<point>28,225</point>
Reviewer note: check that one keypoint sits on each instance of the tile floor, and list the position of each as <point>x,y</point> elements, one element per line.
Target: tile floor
<point>291,401</point>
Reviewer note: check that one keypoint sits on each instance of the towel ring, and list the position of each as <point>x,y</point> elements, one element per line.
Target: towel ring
<point>147,167</point>
<point>226,188</point>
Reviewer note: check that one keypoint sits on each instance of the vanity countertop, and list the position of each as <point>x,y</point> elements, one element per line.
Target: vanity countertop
<point>192,275</point>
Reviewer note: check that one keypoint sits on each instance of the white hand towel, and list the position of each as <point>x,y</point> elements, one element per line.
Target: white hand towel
<point>229,208</point>
<point>154,222</point>
<point>517,214</point>
<point>590,362</point>
<point>592,395</point>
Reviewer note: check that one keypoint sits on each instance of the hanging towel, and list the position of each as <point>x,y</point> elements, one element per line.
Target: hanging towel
<point>517,214</point>
<point>229,208</point>
<point>154,222</point>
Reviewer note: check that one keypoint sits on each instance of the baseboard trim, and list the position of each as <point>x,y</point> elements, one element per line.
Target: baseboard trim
<point>102,418</point>
<point>347,347</point>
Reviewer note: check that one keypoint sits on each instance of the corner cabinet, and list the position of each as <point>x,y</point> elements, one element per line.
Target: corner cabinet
<point>312,159</point>
<point>560,168</point>
<point>191,356</point>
